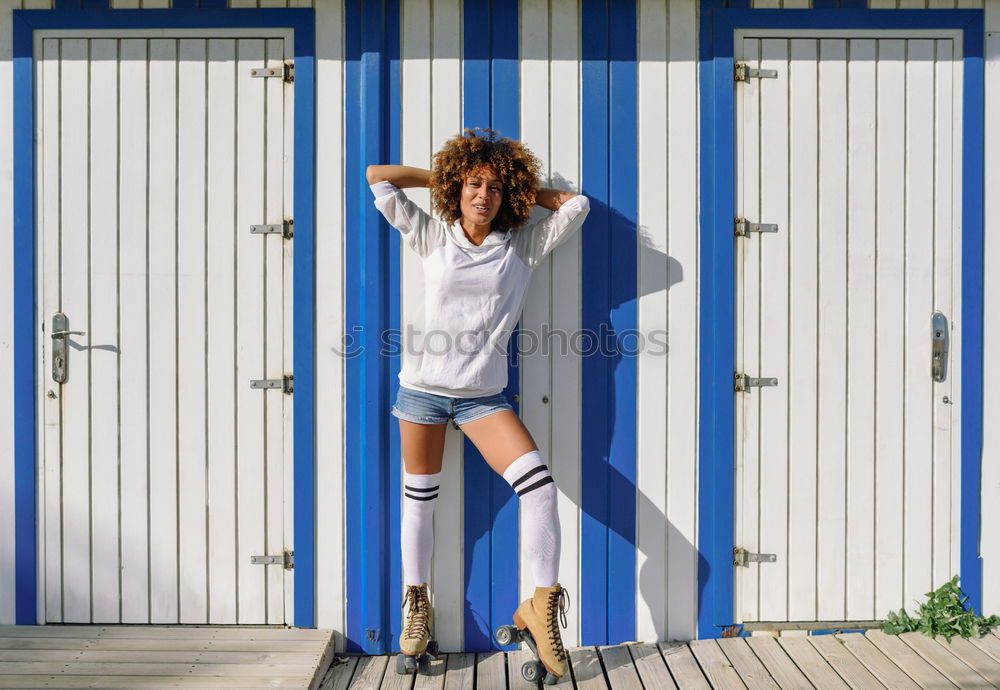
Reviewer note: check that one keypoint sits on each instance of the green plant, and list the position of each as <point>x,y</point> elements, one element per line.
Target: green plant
<point>942,614</point>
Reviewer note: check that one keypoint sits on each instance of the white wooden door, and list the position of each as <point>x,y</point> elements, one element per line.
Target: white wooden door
<point>847,469</point>
<point>161,471</point>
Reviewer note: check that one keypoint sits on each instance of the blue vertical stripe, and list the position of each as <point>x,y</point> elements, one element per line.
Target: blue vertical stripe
<point>371,47</point>
<point>609,172</point>
<point>25,589</point>
<point>717,331</point>
<point>490,93</point>
<point>971,562</point>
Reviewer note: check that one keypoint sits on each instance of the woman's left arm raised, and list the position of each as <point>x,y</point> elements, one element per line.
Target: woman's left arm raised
<point>552,199</point>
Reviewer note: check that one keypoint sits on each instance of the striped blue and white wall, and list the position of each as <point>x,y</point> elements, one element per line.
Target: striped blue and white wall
<point>607,95</point>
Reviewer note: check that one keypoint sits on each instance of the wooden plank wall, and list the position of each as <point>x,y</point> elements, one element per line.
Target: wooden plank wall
<point>668,218</point>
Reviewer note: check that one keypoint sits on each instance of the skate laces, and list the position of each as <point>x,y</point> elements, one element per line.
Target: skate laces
<point>558,602</point>
<point>418,609</point>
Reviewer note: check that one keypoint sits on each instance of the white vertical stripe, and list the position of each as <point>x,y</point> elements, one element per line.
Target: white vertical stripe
<point>446,122</point>
<point>805,72</point>
<point>329,230</point>
<point>48,223</point>
<point>535,368</point>
<point>75,303</point>
<point>192,368</point>
<point>861,334</point>
<point>133,315</point>
<point>281,522</point>
<point>831,351</point>
<point>222,382</point>
<point>277,187</point>
<point>250,306</point>
<point>682,350</point>
<point>747,336</point>
<point>652,577</point>
<point>163,331</point>
<point>565,140</point>
<point>918,307</point>
<point>103,334</point>
<point>945,531</point>
<point>889,319</point>
<point>773,356</point>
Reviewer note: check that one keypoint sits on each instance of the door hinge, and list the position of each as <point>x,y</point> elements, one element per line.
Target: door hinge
<point>284,383</point>
<point>286,560</point>
<point>284,228</point>
<point>743,383</point>
<point>744,227</point>
<point>742,72</point>
<point>744,558</point>
<point>286,71</point>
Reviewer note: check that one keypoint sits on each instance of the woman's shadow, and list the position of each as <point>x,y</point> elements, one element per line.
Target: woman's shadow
<point>610,504</point>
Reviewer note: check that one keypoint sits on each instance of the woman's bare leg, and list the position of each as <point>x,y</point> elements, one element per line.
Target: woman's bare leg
<point>422,446</point>
<point>501,438</point>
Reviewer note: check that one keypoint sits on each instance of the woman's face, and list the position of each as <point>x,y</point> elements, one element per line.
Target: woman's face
<point>482,193</point>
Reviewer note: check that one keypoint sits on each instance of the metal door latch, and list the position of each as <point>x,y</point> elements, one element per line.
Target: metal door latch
<point>284,383</point>
<point>742,72</point>
<point>743,383</point>
<point>286,560</point>
<point>939,346</point>
<point>744,558</point>
<point>284,228</point>
<point>60,360</point>
<point>286,71</point>
<point>744,227</point>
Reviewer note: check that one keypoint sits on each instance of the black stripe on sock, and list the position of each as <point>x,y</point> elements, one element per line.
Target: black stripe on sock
<point>423,491</point>
<point>421,498</point>
<point>533,471</point>
<point>540,482</point>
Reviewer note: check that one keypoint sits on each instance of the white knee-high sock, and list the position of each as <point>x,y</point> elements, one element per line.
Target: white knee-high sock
<point>420,492</point>
<point>531,480</point>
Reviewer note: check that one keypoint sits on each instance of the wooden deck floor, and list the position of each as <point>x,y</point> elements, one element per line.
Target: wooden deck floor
<point>93,656</point>
<point>826,662</point>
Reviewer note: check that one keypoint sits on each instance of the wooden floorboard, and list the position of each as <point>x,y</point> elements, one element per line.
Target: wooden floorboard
<point>957,671</point>
<point>212,657</point>
<point>747,665</point>
<point>132,656</point>
<point>876,662</point>
<point>783,670</point>
<point>619,667</point>
<point>715,665</point>
<point>652,669</point>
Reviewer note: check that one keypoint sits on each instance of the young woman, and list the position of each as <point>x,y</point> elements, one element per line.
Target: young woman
<point>477,260</point>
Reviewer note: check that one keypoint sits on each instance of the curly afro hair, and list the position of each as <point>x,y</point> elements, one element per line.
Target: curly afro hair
<point>517,167</point>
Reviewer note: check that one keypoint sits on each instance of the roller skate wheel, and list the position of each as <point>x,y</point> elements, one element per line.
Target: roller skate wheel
<point>433,651</point>
<point>550,679</point>
<point>506,634</point>
<point>424,665</point>
<point>405,664</point>
<point>532,671</point>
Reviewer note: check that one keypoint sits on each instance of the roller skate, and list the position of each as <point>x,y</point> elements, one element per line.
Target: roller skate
<point>536,622</point>
<point>416,647</point>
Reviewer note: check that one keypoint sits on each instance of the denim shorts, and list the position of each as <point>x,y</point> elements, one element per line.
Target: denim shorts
<point>428,408</point>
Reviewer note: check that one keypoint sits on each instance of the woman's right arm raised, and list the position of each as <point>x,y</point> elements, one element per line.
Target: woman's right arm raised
<point>401,176</point>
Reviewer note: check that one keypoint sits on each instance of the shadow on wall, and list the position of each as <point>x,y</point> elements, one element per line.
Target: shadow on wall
<point>659,273</point>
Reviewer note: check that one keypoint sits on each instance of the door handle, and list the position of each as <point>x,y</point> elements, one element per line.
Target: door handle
<point>60,360</point>
<point>939,346</point>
